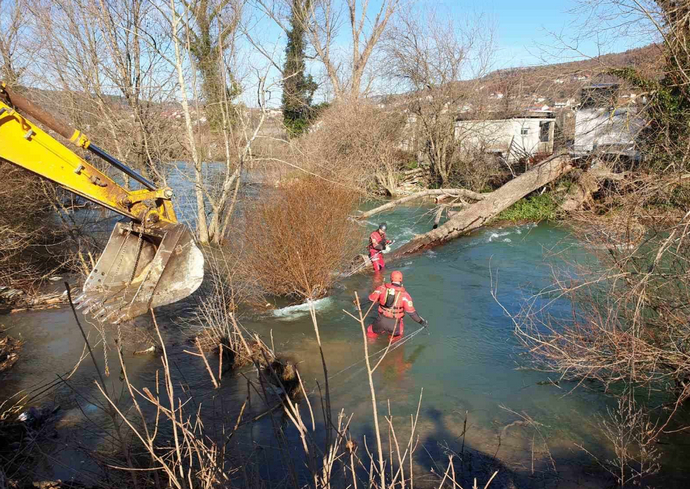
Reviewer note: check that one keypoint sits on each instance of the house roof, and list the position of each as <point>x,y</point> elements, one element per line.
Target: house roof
<point>493,116</point>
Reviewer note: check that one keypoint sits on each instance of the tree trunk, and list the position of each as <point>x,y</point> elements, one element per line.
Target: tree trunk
<point>478,214</point>
<point>201,225</point>
<point>455,192</point>
<point>587,184</point>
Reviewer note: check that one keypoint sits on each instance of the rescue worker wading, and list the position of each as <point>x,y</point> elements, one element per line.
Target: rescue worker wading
<point>393,302</point>
<point>378,243</point>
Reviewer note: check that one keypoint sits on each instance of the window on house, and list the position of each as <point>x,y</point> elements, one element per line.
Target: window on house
<point>524,131</point>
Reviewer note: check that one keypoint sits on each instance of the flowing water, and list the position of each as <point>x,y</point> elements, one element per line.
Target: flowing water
<point>467,369</point>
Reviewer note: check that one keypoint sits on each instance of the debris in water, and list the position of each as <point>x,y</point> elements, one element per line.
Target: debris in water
<point>35,417</point>
<point>9,352</point>
<point>151,349</point>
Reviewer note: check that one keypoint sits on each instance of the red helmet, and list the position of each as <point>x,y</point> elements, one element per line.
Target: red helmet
<point>397,277</point>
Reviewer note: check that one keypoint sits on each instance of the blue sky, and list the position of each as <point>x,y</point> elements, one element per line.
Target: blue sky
<point>526,32</point>
<point>525,29</point>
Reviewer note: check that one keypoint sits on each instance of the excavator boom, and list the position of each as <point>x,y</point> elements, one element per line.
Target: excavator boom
<point>150,259</point>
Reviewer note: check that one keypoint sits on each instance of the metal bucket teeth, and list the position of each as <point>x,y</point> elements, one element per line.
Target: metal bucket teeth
<point>142,269</point>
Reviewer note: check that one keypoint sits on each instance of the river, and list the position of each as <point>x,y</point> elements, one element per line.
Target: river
<point>469,367</point>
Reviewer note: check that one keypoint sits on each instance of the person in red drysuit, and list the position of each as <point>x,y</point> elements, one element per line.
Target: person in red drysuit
<point>377,244</point>
<point>393,303</point>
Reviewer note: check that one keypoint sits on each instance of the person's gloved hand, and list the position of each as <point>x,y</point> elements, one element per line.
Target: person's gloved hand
<point>424,323</point>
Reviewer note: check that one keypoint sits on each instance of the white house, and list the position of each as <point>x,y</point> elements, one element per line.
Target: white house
<point>607,130</point>
<point>601,127</point>
<point>512,139</point>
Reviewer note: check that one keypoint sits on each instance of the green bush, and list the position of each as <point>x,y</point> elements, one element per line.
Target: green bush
<point>536,208</point>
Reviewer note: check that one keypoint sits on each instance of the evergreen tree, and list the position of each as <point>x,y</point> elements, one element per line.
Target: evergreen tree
<point>298,88</point>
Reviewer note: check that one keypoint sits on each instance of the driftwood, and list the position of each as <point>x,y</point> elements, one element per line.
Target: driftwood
<point>455,192</point>
<point>150,349</point>
<point>45,301</point>
<point>491,205</point>
<point>9,352</point>
<point>437,217</point>
<point>589,183</point>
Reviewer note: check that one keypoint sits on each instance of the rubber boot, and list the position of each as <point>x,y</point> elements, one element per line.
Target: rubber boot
<point>370,332</point>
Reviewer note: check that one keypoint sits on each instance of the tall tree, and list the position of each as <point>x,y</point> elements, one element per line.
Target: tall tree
<point>216,185</point>
<point>298,88</point>
<point>347,76</point>
<point>209,24</point>
<point>13,50</point>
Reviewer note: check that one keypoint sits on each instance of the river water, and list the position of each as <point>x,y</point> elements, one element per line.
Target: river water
<point>468,368</point>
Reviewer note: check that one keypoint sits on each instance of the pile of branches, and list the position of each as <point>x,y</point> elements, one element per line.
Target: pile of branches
<point>38,234</point>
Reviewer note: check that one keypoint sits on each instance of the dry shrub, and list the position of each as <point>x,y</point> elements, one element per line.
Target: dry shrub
<point>633,436</point>
<point>216,328</point>
<point>39,233</point>
<point>353,142</point>
<point>24,224</point>
<point>479,171</point>
<point>297,239</point>
<point>629,322</point>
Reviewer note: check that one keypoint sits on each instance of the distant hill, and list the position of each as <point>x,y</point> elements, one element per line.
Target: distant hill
<point>550,88</point>
<point>562,80</point>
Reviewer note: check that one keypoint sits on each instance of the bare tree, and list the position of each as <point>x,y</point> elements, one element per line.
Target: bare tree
<point>237,128</point>
<point>100,56</point>
<point>431,57</point>
<point>13,45</point>
<point>366,28</point>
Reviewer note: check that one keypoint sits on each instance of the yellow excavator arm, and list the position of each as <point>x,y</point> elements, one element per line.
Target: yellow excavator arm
<point>150,260</point>
<point>26,145</point>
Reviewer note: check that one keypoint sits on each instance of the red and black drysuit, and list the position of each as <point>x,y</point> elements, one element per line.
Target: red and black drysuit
<point>393,302</point>
<point>377,243</point>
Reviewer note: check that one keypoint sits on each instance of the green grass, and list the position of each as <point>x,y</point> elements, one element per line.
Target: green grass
<point>536,208</point>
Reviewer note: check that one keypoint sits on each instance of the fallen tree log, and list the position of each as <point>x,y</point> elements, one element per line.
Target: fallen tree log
<point>456,192</point>
<point>476,215</point>
<point>587,184</point>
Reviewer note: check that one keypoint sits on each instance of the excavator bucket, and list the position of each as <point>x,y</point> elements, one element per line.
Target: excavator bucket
<point>142,268</point>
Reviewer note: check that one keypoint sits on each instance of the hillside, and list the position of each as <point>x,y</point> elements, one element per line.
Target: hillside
<point>547,88</point>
